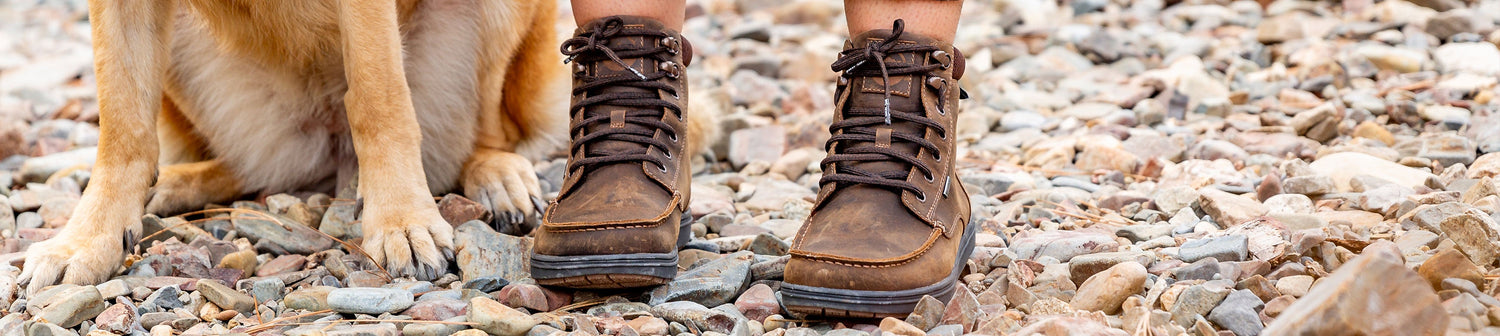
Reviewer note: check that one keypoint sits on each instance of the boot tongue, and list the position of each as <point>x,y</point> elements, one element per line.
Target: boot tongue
<point>607,68</point>
<point>869,93</point>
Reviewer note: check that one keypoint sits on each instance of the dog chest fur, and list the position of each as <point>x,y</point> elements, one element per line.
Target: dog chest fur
<point>262,84</point>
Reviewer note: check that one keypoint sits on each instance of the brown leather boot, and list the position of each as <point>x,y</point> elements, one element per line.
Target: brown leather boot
<point>891,222</point>
<point>619,218</point>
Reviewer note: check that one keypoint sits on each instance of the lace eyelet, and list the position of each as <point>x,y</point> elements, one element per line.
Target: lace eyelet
<point>673,70</point>
<point>663,168</point>
<point>843,80</point>
<point>922,197</point>
<point>937,82</point>
<point>943,58</point>
<point>667,154</point>
<point>578,68</point>
<point>931,178</point>
<point>673,46</point>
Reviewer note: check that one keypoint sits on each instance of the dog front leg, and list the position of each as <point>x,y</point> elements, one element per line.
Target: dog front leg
<point>130,59</point>
<point>402,227</point>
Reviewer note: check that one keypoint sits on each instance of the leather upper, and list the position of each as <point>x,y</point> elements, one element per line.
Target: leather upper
<point>878,237</point>
<point>626,185</point>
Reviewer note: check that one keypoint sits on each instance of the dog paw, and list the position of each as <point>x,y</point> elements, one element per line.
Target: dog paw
<point>186,187</point>
<point>73,258</point>
<point>506,184</point>
<point>417,244</point>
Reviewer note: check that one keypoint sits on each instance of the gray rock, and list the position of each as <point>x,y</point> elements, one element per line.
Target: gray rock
<point>482,252</point>
<point>927,314</point>
<point>1448,148</point>
<point>987,184</point>
<point>1229,209</point>
<point>48,329</point>
<point>38,169</point>
<point>225,297</point>
<point>1289,203</point>
<point>423,329</point>
<point>1474,233</point>
<point>1196,301</point>
<point>1430,217</point>
<point>1143,232</point>
<point>711,284</point>
<point>1475,57</point>
<point>1080,268</point>
<point>149,320</point>
<point>111,289</point>
<point>1063,245</point>
<point>1021,119</point>
<point>1225,248</point>
<point>1203,269</point>
<point>341,220</point>
<point>310,299</point>
<point>67,305</point>
<point>756,144</point>
<point>1240,313</point>
<point>164,298</point>
<point>286,233</point>
<point>267,289</point>
<point>692,313</point>
<point>373,301</point>
<point>768,244</point>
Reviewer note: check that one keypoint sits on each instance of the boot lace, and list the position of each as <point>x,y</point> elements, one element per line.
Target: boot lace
<point>859,123</point>
<point>645,108</point>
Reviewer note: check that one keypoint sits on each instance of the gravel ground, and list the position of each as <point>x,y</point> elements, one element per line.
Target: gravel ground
<point>1141,168</point>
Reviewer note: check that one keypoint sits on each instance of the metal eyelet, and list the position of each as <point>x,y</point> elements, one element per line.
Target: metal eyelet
<point>663,168</point>
<point>673,70</point>
<point>943,58</point>
<point>843,80</point>
<point>579,68</point>
<point>937,157</point>
<point>931,178</point>
<point>667,154</point>
<point>922,197</point>
<point>674,137</point>
<point>673,45</point>
<point>937,82</point>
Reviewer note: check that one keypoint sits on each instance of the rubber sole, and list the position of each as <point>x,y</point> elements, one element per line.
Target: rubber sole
<point>848,303</point>
<point>609,271</point>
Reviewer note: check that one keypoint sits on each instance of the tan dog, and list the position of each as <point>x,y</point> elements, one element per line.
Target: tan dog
<point>215,99</point>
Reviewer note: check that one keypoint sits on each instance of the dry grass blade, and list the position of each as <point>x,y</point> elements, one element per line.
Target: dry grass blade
<point>577,305</point>
<point>266,326</point>
<point>335,322</point>
<point>191,222</point>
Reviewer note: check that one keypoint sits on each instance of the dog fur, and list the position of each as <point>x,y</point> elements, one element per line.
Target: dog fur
<point>210,100</point>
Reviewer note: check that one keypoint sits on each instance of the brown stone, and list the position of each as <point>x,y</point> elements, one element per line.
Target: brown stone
<point>1370,295</point>
<point>1449,263</point>
<point>1106,158</point>
<point>1107,290</point>
<point>458,210</point>
<point>1229,209</point>
<point>1473,232</point>
<point>1373,131</point>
